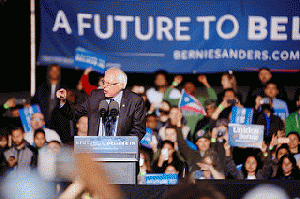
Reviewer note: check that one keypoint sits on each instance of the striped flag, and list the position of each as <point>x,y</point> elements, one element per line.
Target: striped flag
<point>190,103</point>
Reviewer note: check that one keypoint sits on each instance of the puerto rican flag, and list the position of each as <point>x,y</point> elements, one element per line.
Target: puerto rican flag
<point>190,103</point>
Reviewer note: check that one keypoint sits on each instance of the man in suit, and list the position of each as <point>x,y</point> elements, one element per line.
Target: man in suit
<point>132,116</point>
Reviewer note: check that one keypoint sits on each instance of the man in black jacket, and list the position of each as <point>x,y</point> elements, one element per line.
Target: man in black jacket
<point>132,116</point>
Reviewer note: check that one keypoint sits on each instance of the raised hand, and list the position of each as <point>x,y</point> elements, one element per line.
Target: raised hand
<point>61,94</point>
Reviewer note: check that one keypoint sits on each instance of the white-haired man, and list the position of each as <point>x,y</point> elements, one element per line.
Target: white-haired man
<point>132,117</point>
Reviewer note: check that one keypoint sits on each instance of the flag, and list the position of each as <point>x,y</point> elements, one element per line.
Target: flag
<point>190,103</point>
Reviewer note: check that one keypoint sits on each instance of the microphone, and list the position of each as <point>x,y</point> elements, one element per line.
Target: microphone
<point>103,107</point>
<point>113,108</point>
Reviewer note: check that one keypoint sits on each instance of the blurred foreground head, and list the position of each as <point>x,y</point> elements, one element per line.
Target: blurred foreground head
<point>62,165</point>
<point>266,191</point>
<point>193,191</point>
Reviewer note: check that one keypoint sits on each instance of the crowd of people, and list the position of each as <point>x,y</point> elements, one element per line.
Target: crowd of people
<point>191,144</point>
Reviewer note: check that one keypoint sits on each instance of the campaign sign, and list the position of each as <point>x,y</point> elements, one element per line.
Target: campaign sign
<point>281,113</point>
<point>85,59</point>
<point>147,138</point>
<point>26,114</point>
<point>161,178</point>
<point>241,115</point>
<point>105,144</point>
<point>251,136</point>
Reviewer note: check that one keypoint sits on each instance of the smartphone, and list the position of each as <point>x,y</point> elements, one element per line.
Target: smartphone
<point>283,140</point>
<point>265,100</point>
<point>165,154</point>
<point>20,101</point>
<point>221,132</point>
<point>232,101</point>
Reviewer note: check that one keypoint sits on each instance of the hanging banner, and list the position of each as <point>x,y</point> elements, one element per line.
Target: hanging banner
<point>177,36</point>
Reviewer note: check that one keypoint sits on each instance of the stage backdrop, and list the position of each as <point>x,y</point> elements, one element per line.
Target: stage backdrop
<point>177,36</point>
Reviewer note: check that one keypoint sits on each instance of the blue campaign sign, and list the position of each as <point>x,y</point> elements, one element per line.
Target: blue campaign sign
<point>105,144</point>
<point>147,138</point>
<point>241,115</point>
<point>179,37</point>
<point>85,59</point>
<point>245,135</point>
<point>161,178</point>
<point>26,114</point>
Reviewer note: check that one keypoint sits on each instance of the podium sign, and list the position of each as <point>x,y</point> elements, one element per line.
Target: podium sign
<point>118,155</point>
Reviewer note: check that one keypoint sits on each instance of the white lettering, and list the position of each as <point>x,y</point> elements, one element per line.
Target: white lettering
<point>61,21</point>
<point>81,24</point>
<point>160,29</point>
<point>234,31</point>
<point>276,28</point>
<point>179,28</point>
<point>296,28</point>
<point>206,21</point>
<point>109,27</point>
<point>123,20</point>
<point>257,28</point>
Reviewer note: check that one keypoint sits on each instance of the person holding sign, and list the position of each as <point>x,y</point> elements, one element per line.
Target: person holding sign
<point>250,169</point>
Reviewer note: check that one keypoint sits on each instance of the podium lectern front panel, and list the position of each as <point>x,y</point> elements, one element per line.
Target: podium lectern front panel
<point>118,155</point>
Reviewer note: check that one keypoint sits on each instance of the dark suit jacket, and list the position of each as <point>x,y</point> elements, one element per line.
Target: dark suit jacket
<point>132,116</point>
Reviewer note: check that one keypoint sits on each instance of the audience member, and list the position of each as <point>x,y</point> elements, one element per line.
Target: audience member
<point>207,121</point>
<point>87,86</point>
<point>251,169</point>
<point>82,126</point>
<point>45,95</point>
<point>162,113</point>
<point>279,106</point>
<point>201,95</point>
<point>287,168</point>
<point>37,121</point>
<point>165,157</point>
<point>162,91</point>
<point>272,123</point>
<point>62,125</point>
<point>293,143</point>
<point>21,155</point>
<point>175,116</point>
<point>257,89</point>
<point>228,82</point>
<point>39,138</point>
<point>292,122</point>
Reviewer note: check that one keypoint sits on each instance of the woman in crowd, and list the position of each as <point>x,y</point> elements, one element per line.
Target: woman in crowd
<point>287,168</point>
<point>250,170</point>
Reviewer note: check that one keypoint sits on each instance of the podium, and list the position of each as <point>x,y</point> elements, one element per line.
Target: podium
<point>117,155</point>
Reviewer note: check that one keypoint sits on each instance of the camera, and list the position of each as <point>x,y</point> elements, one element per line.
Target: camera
<point>221,132</point>
<point>265,100</point>
<point>232,101</point>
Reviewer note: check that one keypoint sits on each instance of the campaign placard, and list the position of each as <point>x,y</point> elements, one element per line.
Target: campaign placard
<point>241,115</point>
<point>105,144</point>
<point>85,59</point>
<point>145,142</point>
<point>161,178</point>
<point>251,136</point>
<point>26,114</point>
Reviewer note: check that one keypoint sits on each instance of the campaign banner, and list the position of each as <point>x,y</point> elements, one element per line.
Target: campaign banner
<point>85,59</point>
<point>161,178</point>
<point>180,37</point>
<point>251,136</point>
<point>240,115</point>
<point>26,114</point>
<point>105,144</point>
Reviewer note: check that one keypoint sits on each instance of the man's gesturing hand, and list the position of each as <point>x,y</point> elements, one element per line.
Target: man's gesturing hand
<point>61,94</point>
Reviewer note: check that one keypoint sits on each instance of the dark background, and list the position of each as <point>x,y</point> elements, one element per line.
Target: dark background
<point>15,57</point>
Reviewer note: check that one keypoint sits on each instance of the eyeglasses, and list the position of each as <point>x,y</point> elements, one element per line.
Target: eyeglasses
<point>108,84</point>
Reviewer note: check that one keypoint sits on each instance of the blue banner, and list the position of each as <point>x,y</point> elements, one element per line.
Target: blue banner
<point>241,115</point>
<point>177,36</point>
<point>245,135</point>
<point>85,59</point>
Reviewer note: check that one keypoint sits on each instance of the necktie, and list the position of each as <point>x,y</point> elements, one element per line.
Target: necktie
<point>109,123</point>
